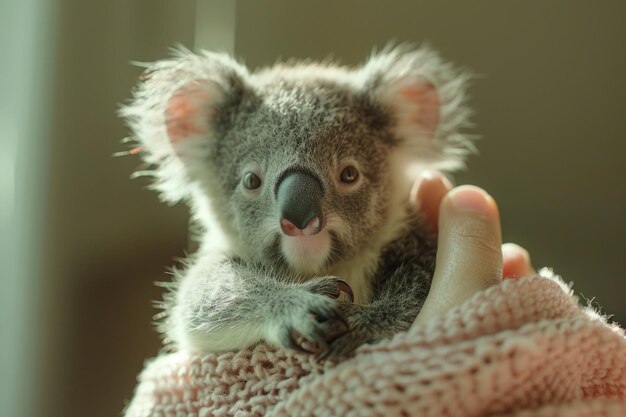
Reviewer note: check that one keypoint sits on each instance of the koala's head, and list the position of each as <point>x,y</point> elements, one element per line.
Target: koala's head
<point>303,165</point>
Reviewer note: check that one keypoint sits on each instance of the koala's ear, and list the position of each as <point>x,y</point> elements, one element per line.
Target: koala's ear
<point>191,111</point>
<point>426,99</point>
<point>175,111</point>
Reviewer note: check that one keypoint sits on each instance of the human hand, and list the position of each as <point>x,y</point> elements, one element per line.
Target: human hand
<point>470,254</point>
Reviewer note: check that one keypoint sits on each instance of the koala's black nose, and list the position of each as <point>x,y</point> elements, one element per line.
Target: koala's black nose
<point>299,197</point>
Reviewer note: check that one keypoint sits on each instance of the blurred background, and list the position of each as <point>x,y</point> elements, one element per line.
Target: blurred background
<point>85,243</point>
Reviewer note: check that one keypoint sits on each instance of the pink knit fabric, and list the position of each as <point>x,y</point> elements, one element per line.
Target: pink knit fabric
<point>524,348</point>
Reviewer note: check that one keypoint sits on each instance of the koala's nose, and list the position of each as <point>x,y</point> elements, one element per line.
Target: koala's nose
<point>299,196</point>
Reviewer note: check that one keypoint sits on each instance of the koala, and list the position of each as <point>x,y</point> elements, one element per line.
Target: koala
<point>299,176</point>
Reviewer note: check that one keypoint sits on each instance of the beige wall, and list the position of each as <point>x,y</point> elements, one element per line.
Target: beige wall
<point>550,107</point>
<point>108,239</point>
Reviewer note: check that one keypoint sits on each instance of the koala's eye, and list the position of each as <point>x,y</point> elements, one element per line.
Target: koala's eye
<point>251,181</point>
<point>349,174</point>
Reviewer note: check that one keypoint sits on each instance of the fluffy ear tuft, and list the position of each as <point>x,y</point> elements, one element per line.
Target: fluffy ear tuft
<point>426,98</point>
<point>173,113</point>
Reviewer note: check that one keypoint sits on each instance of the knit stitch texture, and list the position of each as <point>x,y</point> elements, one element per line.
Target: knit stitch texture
<point>523,348</point>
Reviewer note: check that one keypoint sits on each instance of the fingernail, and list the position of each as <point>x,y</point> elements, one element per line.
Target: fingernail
<point>472,199</point>
<point>515,261</point>
<point>414,197</point>
<point>514,251</point>
<point>428,178</point>
<point>429,175</point>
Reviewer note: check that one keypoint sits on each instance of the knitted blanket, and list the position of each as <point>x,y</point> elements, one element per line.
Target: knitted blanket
<point>523,348</point>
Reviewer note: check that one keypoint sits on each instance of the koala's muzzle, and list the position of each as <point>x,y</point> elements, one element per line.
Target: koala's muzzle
<point>299,197</point>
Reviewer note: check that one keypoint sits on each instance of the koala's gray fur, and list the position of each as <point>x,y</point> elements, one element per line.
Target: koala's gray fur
<point>203,121</point>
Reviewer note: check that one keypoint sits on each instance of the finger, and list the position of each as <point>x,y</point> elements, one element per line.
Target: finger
<point>469,257</point>
<point>427,193</point>
<point>516,261</point>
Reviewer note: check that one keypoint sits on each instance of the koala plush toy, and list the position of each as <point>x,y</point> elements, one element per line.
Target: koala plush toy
<point>299,176</point>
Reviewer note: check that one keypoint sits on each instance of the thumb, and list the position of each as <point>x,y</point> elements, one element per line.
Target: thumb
<point>469,256</point>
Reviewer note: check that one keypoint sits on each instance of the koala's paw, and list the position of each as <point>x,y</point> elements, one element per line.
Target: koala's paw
<point>346,343</point>
<point>364,327</point>
<point>311,317</point>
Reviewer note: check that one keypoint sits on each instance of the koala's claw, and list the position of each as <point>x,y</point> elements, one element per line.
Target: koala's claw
<point>304,344</point>
<point>293,339</point>
<point>331,287</point>
<point>314,339</point>
<point>311,319</point>
<point>345,288</point>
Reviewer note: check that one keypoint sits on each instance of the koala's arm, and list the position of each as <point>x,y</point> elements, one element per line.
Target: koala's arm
<point>225,303</point>
<point>401,285</point>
